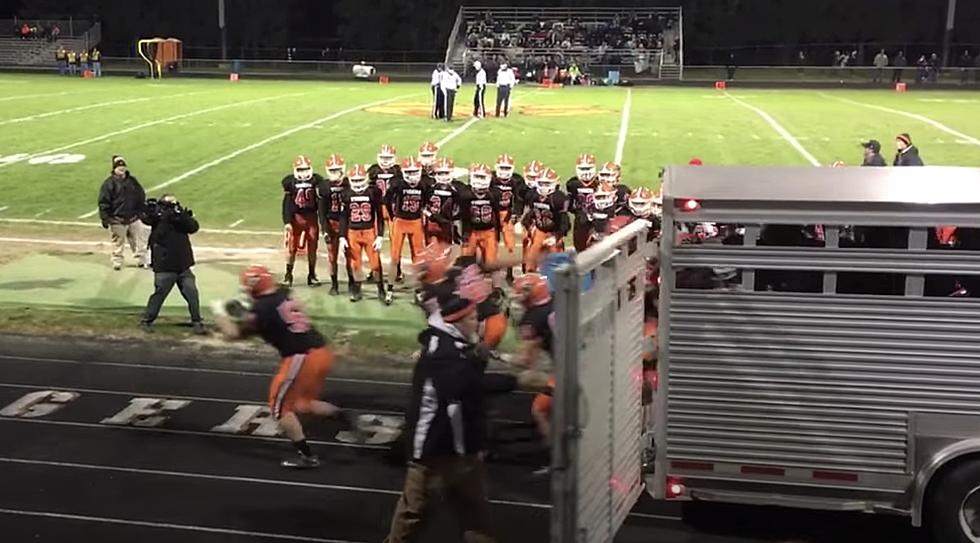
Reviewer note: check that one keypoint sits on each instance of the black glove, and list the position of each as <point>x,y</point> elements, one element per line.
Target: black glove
<point>188,212</point>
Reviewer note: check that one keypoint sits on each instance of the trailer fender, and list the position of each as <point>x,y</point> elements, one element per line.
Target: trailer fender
<point>937,462</point>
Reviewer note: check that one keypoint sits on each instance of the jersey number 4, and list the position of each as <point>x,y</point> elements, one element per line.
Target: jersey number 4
<point>303,198</point>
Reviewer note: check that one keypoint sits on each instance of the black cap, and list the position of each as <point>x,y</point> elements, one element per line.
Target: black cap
<point>118,161</point>
<point>874,145</point>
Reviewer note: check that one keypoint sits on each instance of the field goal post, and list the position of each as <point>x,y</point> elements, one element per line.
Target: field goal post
<point>160,53</point>
<point>598,416</point>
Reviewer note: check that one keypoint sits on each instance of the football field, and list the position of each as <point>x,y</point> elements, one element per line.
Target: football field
<point>222,148</point>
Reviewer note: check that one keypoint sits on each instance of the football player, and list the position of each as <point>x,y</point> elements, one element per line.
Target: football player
<point>511,188</point>
<point>532,172</point>
<point>362,228</point>
<point>479,208</point>
<point>581,189</point>
<point>382,173</point>
<point>600,213</point>
<point>647,205</point>
<point>305,357</point>
<point>427,157</point>
<point>331,206</point>
<point>440,203</point>
<point>405,202</point>
<point>537,334</point>
<point>611,173</point>
<point>548,209</point>
<point>301,214</point>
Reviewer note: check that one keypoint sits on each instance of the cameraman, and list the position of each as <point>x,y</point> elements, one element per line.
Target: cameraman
<point>172,258</point>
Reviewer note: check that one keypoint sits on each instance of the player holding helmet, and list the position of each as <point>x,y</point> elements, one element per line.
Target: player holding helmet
<point>301,216</point>
<point>405,201</point>
<point>362,228</point>
<point>581,189</point>
<point>548,212</point>
<point>331,206</point>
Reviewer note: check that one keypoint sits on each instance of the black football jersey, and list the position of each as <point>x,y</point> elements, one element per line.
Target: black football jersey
<point>538,323</point>
<point>282,322</point>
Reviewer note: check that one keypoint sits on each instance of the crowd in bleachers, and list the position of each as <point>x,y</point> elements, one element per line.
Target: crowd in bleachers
<point>36,31</point>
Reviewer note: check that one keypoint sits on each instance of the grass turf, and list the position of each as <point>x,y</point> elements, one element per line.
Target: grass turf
<point>222,148</point>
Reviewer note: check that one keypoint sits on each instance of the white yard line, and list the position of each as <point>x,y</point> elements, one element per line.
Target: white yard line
<point>150,124</point>
<point>452,135</point>
<point>94,224</point>
<point>105,244</point>
<point>624,124</point>
<point>93,106</point>
<point>921,118</point>
<point>42,213</point>
<point>22,96</point>
<point>236,223</point>
<point>4,208</point>
<point>779,129</point>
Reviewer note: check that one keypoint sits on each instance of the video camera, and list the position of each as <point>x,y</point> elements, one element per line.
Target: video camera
<point>165,207</point>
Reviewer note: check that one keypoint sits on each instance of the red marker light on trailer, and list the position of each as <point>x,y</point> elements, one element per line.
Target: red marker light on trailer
<point>675,488</point>
<point>690,205</point>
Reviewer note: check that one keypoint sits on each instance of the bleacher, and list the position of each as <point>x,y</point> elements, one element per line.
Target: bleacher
<point>641,43</point>
<point>76,36</point>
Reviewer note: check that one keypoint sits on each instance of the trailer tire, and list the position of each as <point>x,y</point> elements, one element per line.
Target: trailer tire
<point>953,505</point>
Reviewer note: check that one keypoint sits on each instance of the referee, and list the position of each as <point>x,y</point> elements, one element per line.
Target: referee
<point>438,110</point>
<point>450,84</point>
<point>505,82</point>
<point>479,106</point>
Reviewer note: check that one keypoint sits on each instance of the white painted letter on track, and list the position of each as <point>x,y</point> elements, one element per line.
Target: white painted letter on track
<point>253,420</point>
<point>38,404</point>
<point>145,412</point>
<point>381,429</point>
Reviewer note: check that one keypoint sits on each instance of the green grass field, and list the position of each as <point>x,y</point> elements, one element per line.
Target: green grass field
<point>222,148</point>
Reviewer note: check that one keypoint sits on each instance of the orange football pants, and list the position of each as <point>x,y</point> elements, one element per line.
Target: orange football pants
<point>400,228</point>
<point>304,223</point>
<point>534,249</point>
<point>333,240</point>
<point>362,241</point>
<point>507,232</point>
<point>299,381</point>
<point>484,241</point>
<point>542,402</point>
<point>493,330</point>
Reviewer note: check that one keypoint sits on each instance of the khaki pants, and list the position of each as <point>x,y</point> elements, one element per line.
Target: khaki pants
<point>135,233</point>
<point>460,481</point>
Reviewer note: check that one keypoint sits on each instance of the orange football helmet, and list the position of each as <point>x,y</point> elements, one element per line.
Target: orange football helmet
<point>604,196</point>
<point>585,167</point>
<point>547,183</point>
<point>504,167</point>
<point>480,177</point>
<point>358,178</point>
<point>427,153</point>
<point>411,171</point>
<point>531,290</point>
<point>609,173</point>
<point>532,172</point>
<point>302,168</point>
<point>335,168</point>
<point>433,263</point>
<point>387,156</point>
<point>444,171</point>
<point>642,202</point>
<point>256,281</point>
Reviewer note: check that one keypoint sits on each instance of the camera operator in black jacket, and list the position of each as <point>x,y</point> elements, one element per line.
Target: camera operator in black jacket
<point>172,258</point>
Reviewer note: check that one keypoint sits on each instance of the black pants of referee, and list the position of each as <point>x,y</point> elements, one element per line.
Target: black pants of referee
<point>438,103</point>
<point>450,99</point>
<point>503,100</point>
<point>479,104</point>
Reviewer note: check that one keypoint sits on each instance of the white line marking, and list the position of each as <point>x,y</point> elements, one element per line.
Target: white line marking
<point>149,124</point>
<point>778,128</point>
<point>236,223</point>
<point>170,526</point>
<point>916,116</point>
<point>42,213</point>
<point>183,432</point>
<point>756,137</point>
<point>8,98</point>
<point>93,106</point>
<point>91,224</point>
<point>624,124</point>
<point>452,135</point>
<point>4,208</point>
<point>104,244</point>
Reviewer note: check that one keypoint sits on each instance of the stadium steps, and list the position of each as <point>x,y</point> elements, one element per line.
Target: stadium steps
<point>670,72</point>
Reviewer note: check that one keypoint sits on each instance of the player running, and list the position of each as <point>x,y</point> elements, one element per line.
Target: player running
<point>440,204</point>
<point>405,201</point>
<point>581,189</point>
<point>362,229</point>
<point>301,216</point>
<point>548,209</point>
<point>306,358</point>
<point>479,206</point>
<point>511,188</point>
<point>331,207</point>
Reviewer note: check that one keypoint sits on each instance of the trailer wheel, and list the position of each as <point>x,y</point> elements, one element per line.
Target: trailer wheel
<point>953,505</point>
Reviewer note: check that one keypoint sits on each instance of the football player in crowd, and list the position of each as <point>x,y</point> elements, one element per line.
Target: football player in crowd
<point>646,205</point>
<point>331,207</point>
<point>532,172</point>
<point>362,229</point>
<point>306,358</point>
<point>301,216</point>
<point>548,212</point>
<point>611,173</point>
<point>512,189</point>
<point>381,175</point>
<point>440,203</point>
<point>581,189</point>
<point>479,206</point>
<point>600,213</point>
<point>404,200</point>
<point>537,335</point>
<point>428,152</point>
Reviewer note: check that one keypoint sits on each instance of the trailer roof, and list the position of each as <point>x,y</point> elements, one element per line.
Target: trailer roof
<point>921,185</point>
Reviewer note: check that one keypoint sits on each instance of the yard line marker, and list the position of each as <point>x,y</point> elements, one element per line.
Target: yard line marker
<point>104,244</point>
<point>624,124</point>
<point>93,106</point>
<point>42,213</point>
<point>779,129</point>
<point>151,123</point>
<point>93,224</point>
<point>452,135</point>
<point>170,526</point>
<point>756,137</point>
<point>8,98</point>
<point>236,223</point>
<point>4,208</point>
<point>916,116</point>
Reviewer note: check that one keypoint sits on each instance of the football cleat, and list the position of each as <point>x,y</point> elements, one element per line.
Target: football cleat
<point>301,461</point>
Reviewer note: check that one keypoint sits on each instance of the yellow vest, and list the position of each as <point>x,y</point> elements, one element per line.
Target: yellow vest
<point>84,57</point>
<point>71,56</point>
<point>96,55</point>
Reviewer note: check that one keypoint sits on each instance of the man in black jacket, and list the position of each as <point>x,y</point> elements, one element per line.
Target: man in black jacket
<point>872,154</point>
<point>172,258</point>
<point>446,427</point>
<point>908,154</point>
<point>121,201</point>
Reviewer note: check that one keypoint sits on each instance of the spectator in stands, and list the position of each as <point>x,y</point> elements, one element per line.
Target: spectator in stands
<point>880,62</point>
<point>55,32</point>
<point>72,63</point>
<point>966,61</point>
<point>872,154</point>
<point>25,31</point>
<point>899,64</point>
<point>934,66</point>
<point>61,57</point>
<point>908,154</point>
<point>96,58</point>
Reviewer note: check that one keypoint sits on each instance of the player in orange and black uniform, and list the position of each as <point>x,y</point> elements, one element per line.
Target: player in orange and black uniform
<point>428,153</point>
<point>405,201</point>
<point>382,173</point>
<point>548,211</point>
<point>647,205</point>
<point>532,172</point>
<point>301,215</point>
<point>479,207</point>
<point>306,358</point>
<point>611,173</point>
<point>362,229</point>
<point>600,213</point>
<point>537,333</point>
<point>440,204</point>
<point>581,189</point>
<point>331,207</point>
<point>511,188</point>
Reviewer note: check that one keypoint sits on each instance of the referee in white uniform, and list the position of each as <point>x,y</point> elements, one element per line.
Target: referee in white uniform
<point>479,106</point>
<point>450,84</point>
<point>505,82</point>
<point>438,109</point>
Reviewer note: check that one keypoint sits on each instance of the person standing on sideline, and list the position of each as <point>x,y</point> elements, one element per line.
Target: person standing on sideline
<point>899,65</point>
<point>121,202</point>
<point>96,58</point>
<point>450,84</point>
<point>908,154</point>
<point>173,258</point>
<point>72,63</point>
<point>479,103</point>
<point>83,61</point>
<point>505,82</point>
<point>61,56</point>
<point>438,104</point>
<point>881,62</point>
<point>446,427</point>
<point>872,154</point>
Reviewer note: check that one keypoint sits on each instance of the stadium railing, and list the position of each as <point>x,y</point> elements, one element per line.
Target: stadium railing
<point>825,74</point>
<point>69,27</point>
